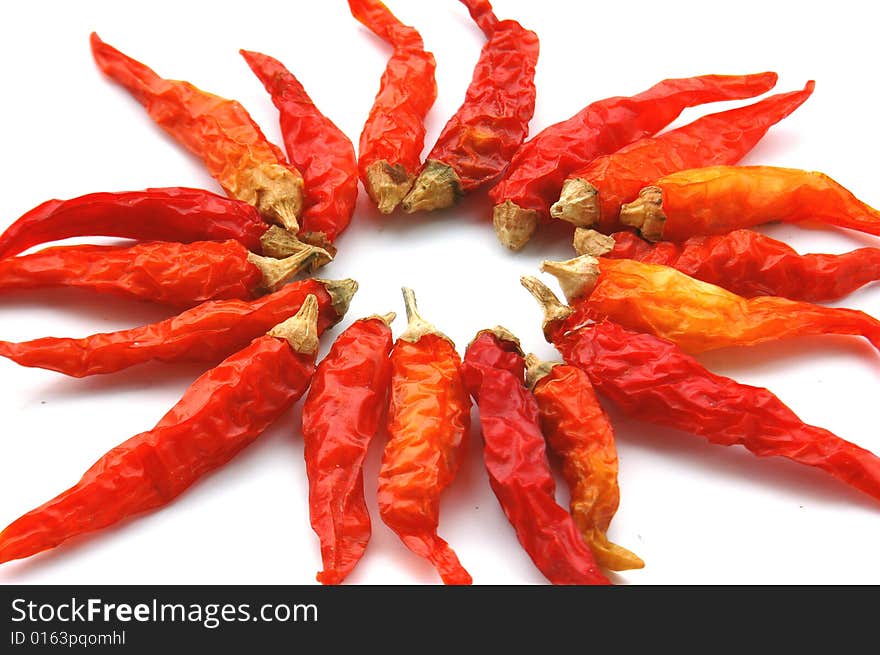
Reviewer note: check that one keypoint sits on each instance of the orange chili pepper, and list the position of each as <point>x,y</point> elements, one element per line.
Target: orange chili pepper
<point>218,131</point>
<point>695,315</point>
<point>579,431</point>
<point>718,199</point>
<point>428,422</point>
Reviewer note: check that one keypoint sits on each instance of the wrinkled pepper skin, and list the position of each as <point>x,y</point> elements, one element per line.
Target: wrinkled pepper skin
<point>218,131</point>
<point>698,316</point>
<point>317,148</point>
<point>428,425</point>
<point>221,413</point>
<point>168,214</point>
<point>579,431</point>
<point>653,380</point>
<point>206,333</point>
<point>391,143</point>
<point>537,171</point>
<point>719,199</point>
<point>516,460</point>
<point>479,140</point>
<point>340,418</point>
<point>716,139</point>
<point>177,274</point>
<point>752,264</point>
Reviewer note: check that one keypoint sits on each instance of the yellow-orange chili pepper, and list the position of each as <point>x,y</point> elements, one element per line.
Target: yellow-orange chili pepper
<point>696,315</point>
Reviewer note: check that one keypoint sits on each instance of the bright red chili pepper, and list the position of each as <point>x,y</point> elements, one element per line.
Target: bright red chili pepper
<point>479,140</point>
<point>653,380</point>
<point>339,420</point>
<point>428,424</point>
<point>180,274</point>
<point>203,431</point>
<point>218,131</point>
<point>579,431</point>
<point>391,142</point>
<point>718,199</point>
<point>534,178</point>
<point>318,149</point>
<point>594,194</point>
<point>170,214</point>
<point>516,460</point>
<point>206,333</point>
<point>745,262</point>
<point>696,315</point>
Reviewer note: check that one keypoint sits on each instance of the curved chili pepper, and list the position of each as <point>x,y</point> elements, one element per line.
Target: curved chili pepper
<point>536,172</point>
<point>516,460</point>
<point>428,422</point>
<point>718,199</point>
<point>579,431</point>
<point>391,142</point>
<point>339,420</point>
<point>206,333</point>
<point>218,131</point>
<point>594,194</point>
<point>651,379</point>
<point>169,214</point>
<point>479,140</point>
<point>745,262</point>
<point>203,431</point>
<point>317,148</point>
<point>180,274</point>
<point>695,315</point>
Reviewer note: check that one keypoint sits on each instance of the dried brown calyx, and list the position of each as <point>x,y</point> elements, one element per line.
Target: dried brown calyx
<point>645,213</point>
<point>502,334</point>
<point>276,191</point>
<point>554,311</point>
<point>436,187</point>
<point>280,243</point>
<point>301,329</point>
<point>577,277</point>
<point>514,226</point>
<point>578,203</point>
<point>387,184</point>
<point>590,242</point>
<point>341,292</point>
<point>387,319</point>
<point>277,272</point>
<point>417,327</point>
<point>319,240</point>
<point>537,369</point>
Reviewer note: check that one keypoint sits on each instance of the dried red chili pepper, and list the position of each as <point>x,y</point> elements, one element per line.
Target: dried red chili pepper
<point>479,140</point>
<point>218,131</point>
<point>718,199</point>
<point>340,418</point>
<point>317,148</point>
<point>179,274</point>
<point>169,214</point>
<point>653,380</point>
<point>391,142</point>
<point>428,423</point>
<point>579,431</point>
<point>516,460</point>
<point>695,315</point>
<point>206,333</point>
<point>203,431</point>
<point>745,262</point>
<point>534,178</point>
<point>594,194</point>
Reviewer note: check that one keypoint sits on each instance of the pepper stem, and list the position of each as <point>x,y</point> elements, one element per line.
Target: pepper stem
<point>553,309</point>
<point>277,193</point>
<point>280,243</point>
<point>514,226</point>
<point>645,213</point>
<point>277,272</point>
<point>578,203</point>
<point>301,329</point>
<point>387,184</point>
<point>387,319</point>
<point>436,187</point>
<point>590,242</point>
<point>341,292</point>
<point>417,327</point>
<point>577,277</point>
<point>537,369</point>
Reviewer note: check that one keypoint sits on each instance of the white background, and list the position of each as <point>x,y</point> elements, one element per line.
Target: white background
<point>695,513</point>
